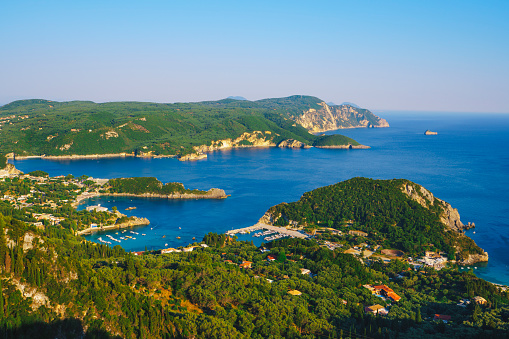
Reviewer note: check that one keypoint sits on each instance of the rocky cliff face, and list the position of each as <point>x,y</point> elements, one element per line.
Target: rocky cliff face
<point>474,258</point>
<point>292,143</point>
<point>9,170</point>
<point>330,118</point>
<point>450,216</point>
<point>254,139</point>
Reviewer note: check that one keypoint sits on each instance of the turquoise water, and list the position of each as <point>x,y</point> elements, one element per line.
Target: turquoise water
<point>466,164</point>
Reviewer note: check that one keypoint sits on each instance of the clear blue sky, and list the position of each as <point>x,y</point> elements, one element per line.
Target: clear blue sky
<point>393,55</point>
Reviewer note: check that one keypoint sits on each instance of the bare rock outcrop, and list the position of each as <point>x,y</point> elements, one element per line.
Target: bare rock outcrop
<point>193,157</point>
<point>450,216</point>
<point>474,258</point>
<point>246,139</point>
<point>9,170</point>
<point>330,118</point>
<point>292,143</point>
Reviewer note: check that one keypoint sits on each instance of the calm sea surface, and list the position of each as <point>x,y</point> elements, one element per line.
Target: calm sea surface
<point>466,164</point>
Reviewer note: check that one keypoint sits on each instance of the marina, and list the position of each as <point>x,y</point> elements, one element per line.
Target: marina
<point>270,232</point>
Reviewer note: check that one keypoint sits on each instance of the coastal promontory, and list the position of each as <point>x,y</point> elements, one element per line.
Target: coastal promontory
<point>84,129</point>
<point>391,214</point>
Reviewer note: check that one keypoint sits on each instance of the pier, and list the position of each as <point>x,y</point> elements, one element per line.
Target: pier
<point>261,226</point>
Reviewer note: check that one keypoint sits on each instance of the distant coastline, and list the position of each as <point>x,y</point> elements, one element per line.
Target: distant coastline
<point>88,156</point>
<point>213,193</point>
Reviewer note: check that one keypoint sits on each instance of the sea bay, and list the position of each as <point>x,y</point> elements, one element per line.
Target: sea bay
<point>466,164</point>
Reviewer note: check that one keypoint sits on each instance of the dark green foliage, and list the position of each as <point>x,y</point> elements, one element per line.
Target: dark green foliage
<point>148,185</point>
<point>380,208</point>
<point>83,127</point>
<point>3,161</point>
<point>38,173</point>
<point>108,293</point>
<point>334,140</point>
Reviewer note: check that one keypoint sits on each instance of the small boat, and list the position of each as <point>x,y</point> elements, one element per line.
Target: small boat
<point>474,232</point>
<point>166,244</point>
<point>180,228</point>
<point>143,234</point>
<point>178,237</point>
<point>194,238</point>
<point>164,236</point>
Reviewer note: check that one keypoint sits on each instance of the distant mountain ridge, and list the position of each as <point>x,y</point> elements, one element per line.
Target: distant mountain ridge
<point>236,98</point>
<point>45,127</point>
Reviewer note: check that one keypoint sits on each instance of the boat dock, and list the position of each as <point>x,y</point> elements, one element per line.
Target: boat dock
<point>261,226</point>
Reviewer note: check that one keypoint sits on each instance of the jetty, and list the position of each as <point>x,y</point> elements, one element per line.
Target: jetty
<point>130,223</point>
<point>262,226</point>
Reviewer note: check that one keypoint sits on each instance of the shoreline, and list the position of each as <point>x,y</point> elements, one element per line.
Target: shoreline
<point>131,223</point>
<point>349,146</point>
<point>87,156</point>
<point>213,193</point>
<point>200,155</point>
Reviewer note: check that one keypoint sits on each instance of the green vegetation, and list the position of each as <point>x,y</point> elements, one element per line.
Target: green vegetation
<point>37,127</point>
<point>205,294</point>
<point>148,185</point>
<point>334,140</point>
<point>3,161</point>
<point>381,209</point>
<point>75,288</point>
<point>38,173</point>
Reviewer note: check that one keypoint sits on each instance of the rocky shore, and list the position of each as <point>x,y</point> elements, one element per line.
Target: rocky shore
<point>349,146</point>
<point>213,193</point>
<point>88,156</point>
<point>133,221</point>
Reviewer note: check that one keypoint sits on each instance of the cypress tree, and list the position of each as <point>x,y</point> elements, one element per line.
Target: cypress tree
<point>1,300</point>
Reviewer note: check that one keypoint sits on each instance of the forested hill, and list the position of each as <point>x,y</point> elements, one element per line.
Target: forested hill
<point>412,223</point>
<point>54,284</point>
<point>37,127</point>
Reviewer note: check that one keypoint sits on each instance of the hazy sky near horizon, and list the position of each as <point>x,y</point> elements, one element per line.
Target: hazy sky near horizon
<point>392,55</point>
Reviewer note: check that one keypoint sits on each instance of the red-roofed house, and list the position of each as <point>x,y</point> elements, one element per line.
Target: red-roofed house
<point>245,264</point>
<point>444,318</point>
<point>386,291</point>
<point>376,309</point>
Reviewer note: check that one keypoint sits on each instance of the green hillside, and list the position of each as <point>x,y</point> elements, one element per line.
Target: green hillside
<point>334,140</point>
<point>54,284</point>
<point>381,209</point>
<point>37,127</point>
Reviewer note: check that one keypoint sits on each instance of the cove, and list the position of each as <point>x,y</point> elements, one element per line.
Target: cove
<point>461,165</point>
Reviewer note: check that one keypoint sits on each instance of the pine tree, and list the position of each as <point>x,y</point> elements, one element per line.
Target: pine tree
<point>418,318</point>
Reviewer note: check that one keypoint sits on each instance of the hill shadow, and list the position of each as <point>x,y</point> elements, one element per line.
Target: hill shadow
<point>59,329</point>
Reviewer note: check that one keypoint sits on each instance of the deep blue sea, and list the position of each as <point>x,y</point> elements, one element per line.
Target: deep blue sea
<point>466,164</point>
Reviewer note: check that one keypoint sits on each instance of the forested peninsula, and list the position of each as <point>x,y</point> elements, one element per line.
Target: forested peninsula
<point>187,130</point>
<point>352,279</point>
